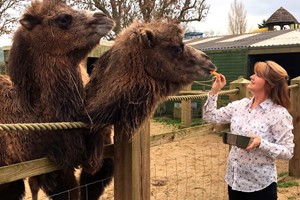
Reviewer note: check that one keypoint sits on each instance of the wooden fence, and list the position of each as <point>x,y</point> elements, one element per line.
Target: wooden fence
<point>132,156</point>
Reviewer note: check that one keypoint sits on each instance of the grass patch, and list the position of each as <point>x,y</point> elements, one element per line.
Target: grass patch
<point>283,174</point>
<point>288,184</point>
<point>284,181</point>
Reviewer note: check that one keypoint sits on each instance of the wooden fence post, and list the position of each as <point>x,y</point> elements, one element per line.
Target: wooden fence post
<point>186,110</point>
<point>132,164</point>
<point>294,164</point>
<point>241,84</point>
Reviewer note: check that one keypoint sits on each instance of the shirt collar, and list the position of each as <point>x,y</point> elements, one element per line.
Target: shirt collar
<point>265,105</point>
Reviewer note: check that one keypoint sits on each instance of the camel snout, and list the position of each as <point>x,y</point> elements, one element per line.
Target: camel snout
<point>210,66</point>
<point>102,18</point>
<point>99,14</point>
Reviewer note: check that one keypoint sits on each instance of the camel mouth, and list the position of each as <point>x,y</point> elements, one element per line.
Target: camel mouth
<point>108,22</point>
<point>208,67</point>
<point>100,33</point>
<point>198,69</point>
<point>101,27</point>
<point>205,69</point>
<point>104,21</point>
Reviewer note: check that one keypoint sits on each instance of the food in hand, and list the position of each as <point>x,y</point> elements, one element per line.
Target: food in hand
<point>214,73</point>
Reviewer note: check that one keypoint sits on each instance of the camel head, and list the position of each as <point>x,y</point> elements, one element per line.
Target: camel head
<point>164,56</point>
<point>57,29</point>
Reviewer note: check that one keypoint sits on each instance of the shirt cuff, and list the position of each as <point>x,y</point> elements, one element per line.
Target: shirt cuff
<point>212,95</point>
<point>211,98</point>
<point>263,144</point>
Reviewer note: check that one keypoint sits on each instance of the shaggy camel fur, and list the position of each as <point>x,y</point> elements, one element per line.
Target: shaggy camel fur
<point>45,85</point>
<point>147,63</point>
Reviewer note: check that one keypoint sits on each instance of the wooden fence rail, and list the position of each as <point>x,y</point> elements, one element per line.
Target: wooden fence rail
<point>43,165</point>
<point>132,156</point>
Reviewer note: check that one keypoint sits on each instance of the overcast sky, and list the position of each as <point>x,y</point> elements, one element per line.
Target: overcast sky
<point>217,19</point>
<point>257,11</point>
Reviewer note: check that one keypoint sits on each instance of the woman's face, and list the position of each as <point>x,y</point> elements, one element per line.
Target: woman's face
<point>257,84</point>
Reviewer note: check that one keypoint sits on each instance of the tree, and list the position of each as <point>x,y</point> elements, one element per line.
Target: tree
<point>237,19</point>
<point>263,24</point>
<point>125,12</point>
<point>9,11</point>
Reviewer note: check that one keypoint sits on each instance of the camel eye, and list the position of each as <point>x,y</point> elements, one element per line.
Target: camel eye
<point>176,50</point>
<point>63,21</point>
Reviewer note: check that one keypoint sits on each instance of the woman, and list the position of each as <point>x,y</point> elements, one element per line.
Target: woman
<point>251,172</point>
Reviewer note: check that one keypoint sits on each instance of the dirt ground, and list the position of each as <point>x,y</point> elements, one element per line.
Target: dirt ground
<point>193,169</point>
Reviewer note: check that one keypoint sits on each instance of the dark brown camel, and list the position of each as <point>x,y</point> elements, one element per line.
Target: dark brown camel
<point>45,86</point>
<point>147,63</point>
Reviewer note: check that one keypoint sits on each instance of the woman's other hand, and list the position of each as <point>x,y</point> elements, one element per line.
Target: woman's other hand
<point>255,142</point>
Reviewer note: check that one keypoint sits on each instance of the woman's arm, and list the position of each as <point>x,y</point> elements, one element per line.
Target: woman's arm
<point>283,147</point>
<point>210,112</point>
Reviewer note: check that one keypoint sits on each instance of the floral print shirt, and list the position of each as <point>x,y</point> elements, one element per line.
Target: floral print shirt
<point>254,170</point>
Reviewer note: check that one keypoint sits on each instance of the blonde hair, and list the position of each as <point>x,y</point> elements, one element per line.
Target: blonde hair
<point>276,81</point>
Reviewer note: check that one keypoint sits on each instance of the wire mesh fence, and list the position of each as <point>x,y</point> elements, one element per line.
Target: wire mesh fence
<point>196,175</point>
<point>195,169</point>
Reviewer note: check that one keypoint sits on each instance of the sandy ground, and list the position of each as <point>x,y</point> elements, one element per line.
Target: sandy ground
<point>192,169</point>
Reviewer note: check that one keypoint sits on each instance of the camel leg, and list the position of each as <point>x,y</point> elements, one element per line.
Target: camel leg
<point>60,185</point>
<point>34,185</point>
<point>92,186</point>
<point>12,191</point>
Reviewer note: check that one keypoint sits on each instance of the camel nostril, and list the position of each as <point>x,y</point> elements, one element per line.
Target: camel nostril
<point>99,14</point>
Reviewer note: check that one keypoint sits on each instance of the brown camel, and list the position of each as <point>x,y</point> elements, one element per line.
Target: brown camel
<point>147,63</point>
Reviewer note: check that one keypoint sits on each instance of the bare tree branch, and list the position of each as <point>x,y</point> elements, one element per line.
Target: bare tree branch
<point>237,18</point>
<point>9,11</point>
<point>124,12</point>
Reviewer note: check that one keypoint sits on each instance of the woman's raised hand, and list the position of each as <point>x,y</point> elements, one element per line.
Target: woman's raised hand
<point>218,84</point>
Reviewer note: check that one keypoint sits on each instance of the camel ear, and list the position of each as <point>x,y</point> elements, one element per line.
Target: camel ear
<point>148,37</point>
<point>29,21</point>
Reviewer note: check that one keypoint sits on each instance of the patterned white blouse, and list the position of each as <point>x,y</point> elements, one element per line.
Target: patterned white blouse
<point>254,170</point>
